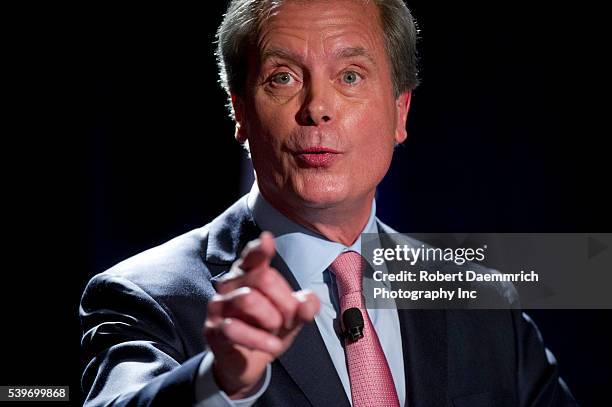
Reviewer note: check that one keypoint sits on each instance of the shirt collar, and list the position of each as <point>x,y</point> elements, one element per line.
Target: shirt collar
<point>297,245</point>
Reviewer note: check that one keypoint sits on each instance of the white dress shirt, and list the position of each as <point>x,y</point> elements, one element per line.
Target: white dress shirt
<point>295,245</point>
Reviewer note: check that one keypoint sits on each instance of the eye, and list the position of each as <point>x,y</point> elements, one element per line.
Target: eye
<point>282,78</point>
<point>351,77</point>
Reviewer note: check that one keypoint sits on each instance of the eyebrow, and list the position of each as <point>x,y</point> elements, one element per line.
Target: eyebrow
<point>352,52</point>
<point>281,54</point>
<point>344,53</point>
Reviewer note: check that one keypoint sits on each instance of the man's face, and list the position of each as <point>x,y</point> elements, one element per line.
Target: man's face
<point>319,111</point>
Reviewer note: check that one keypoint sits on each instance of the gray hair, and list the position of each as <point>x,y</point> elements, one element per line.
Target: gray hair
<point>240,28</point>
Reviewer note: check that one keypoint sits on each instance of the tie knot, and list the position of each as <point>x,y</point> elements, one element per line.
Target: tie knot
<point>348,268</point>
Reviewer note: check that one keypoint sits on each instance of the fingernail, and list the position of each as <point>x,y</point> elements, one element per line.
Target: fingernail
<point>301,296</point>
<point>226,322</point>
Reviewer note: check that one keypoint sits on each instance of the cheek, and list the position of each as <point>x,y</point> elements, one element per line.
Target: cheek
<point>372,141</point>
<point>374,131</point>
<point>267,128</point>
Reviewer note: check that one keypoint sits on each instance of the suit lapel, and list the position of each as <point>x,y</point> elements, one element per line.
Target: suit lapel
<point>424,346</point>
<point>229,233</point>
<point>425,351</point>
<point>307,360</point>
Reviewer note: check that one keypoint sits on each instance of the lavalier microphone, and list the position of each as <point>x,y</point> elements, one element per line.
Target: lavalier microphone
<point>353,324</point>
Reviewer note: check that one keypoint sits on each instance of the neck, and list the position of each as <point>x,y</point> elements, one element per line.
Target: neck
<point>340,223</point>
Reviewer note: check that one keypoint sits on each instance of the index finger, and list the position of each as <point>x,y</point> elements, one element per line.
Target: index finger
<point>258,252</point>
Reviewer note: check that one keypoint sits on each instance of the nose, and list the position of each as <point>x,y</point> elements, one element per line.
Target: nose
<point>318,103</point>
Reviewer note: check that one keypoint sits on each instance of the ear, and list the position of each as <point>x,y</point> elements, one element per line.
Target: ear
<point>402,106</point>
<point>238,106</point>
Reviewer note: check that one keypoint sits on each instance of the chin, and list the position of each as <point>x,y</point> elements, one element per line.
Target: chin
<point>322,194</point>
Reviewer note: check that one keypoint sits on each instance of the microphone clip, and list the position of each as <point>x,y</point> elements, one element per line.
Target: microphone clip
<point>353,324</point>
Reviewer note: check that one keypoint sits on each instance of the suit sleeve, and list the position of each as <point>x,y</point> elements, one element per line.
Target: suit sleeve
<point>539,383</point>
<point>132,353</point>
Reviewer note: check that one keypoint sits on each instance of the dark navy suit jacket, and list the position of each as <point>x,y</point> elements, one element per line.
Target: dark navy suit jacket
<point>142,322</point>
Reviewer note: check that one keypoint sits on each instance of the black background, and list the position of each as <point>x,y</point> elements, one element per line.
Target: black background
<point>116,139</point>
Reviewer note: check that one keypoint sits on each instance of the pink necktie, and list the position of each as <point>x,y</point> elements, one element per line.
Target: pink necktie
<point>370,376</point>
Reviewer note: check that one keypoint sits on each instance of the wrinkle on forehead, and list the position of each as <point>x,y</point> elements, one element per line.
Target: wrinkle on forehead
<point>327,29</point>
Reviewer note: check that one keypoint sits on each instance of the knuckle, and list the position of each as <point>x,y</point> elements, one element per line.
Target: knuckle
<point>228,328</point>
<point>275,320</point>
<point>292,306</point>
<point>211,329</point>
<point>215,305</point>
<point>247,300</point>
<point>240,292</point>
<point>216,300</point>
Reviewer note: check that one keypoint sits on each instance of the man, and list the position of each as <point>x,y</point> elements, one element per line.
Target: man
<point>320,91</point>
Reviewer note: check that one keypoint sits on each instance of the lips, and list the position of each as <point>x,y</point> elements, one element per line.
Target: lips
<point>317,156</point>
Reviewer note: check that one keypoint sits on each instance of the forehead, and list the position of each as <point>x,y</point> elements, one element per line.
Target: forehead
<point>316,28</point>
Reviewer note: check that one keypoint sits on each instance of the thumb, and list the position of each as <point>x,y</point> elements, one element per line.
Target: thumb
<point>309,305</point>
